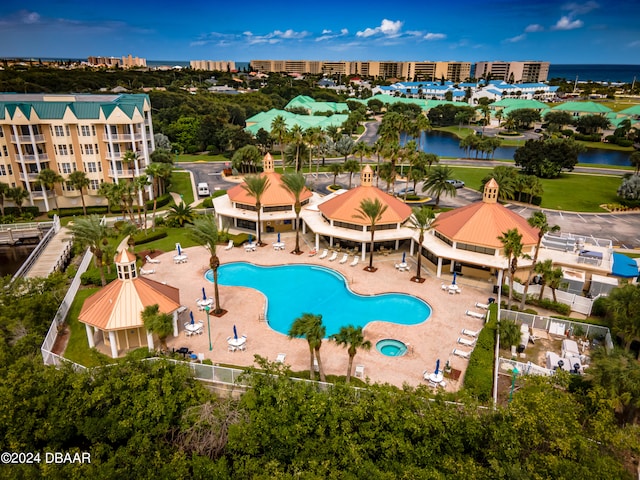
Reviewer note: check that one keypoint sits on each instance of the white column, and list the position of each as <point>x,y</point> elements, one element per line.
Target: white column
<point>89,330</point>
<point>150,341</point>
<point>111,151</point>
<point>331,241</point>
<point>114,344</point>
<point>317,241</point>
<point>364,251</point>
<point>397,244</point>
<point>175,324</point>
<point>439,271</point>
<point>500,275</point>
<point>411,248</point>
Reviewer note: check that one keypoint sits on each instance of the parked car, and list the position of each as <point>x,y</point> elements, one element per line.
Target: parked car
<point>408,191</point>
<point>456,183</point>
<point>203,189</point>
<point>538,130</point>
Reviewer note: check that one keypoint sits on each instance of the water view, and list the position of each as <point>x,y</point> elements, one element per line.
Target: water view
<point>446,145</point>
<point>12,258</point>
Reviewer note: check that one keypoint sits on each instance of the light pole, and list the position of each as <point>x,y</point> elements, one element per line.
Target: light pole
<point>206,309</point>
<point>513,382</point>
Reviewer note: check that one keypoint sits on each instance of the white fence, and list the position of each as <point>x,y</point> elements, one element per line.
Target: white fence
<point>577,303</point>
<point>507,366</point>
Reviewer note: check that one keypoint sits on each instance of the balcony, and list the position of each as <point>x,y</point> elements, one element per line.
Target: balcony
<point>29,177</point>
<point>27,138</point>
<point>125,137</point>
<point>122,173</point>
<point>42,157</point>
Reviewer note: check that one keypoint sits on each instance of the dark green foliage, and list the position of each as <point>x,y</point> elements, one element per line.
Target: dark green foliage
<point>478,380</point>
<point>143,237</point>
<point>549,304</point>
<point>546,158</point>
<point>92,277</point>
<point>27,211</point>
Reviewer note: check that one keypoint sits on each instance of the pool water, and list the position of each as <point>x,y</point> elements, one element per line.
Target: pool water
<point>391,348</point>
<point>292,290</point>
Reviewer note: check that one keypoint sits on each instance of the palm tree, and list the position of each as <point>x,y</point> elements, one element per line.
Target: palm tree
<point>279,131</point>
<point>336,169</point>
<point>352,338</point>
<point>623,307</point>
<point>110,192</point>
<point>437,184</point>
<point>555,281</point>
<point>361,149</point>
<point>139,185</point>
<point>422,220</point>
<point>543,269</point>
<point>512,248</point>
<point>157,322</point>
<point>371,211</point>
<point>351,166</point>
<point>297,139</point>
<point>310,327</point>
<point>634,158</point>
<point>505,177</point>
<point>295,183</point>
<point>205,231</point>
<point>80,181</point>
<point>344,146</point>
<point>158,172</point>
<point>422,124</point>
<point>18,195</point>
<point>4,189</point>
<point>180,214</point>
<point>255,186</point>
<point>48,179</point>
<point>91,232</point>
<point>130,158</point>
<point>537,220</point>
<point>387,173</point>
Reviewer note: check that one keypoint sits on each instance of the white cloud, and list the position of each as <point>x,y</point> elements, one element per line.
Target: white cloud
<point>534,27</point>
<point>634,44</point>
<point>435,36</point>
<point>566,23</point>
<point>330,34</point>
<point>517,38</point>
<point>580,9</point>
<point>387,27</point>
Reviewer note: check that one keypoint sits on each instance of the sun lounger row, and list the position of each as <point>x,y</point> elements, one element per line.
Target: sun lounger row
<point>484,306</point>
<point>151,260</point>
<point>146,272</point>
<point>334,256</point>
<point>473,314</point>
<point>462,353</point>
<point>470,333</point>
<point>466,341</point>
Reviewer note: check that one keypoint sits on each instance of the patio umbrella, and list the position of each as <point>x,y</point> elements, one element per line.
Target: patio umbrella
<point>235,332</point>
<point>250,238</point>
<point>278,237</point>
<point>437,366</point>
<point>192,320</point>
<point>404,257</point>
<point>204,295</point>
<point>179,249</point>
<point>453,282</point>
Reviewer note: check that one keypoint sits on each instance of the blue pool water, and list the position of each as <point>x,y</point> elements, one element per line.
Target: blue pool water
<point>292,290</point>
<point>391,348</point>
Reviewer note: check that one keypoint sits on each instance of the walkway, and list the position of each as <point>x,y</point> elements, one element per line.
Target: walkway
<point>52,256</point>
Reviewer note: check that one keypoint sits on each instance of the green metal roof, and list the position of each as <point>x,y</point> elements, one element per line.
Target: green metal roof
<point>308,103</point>
<point>517,103</point>
<point>635,110</point>
<point>264,120</point>
<point>586,107</point>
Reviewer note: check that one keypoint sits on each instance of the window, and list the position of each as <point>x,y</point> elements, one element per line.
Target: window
<point>3,171</point>
<point>9,170</point>
<point>64,167</point>
<point>91,167</point>
<point>85,131</point>
<point>70,149</point>
<point>93,129</point>
<point>88,149</point>
<point>97,151</point>
<point>58,130</point>
<point>1,132</point>
<point>5,151</point>
<point>61,150</point>
<point>67,130</point>
<point>67,187</point>
<point>95,185</point>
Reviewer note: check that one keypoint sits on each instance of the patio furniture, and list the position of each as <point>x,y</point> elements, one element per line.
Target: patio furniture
<point>280,358</point>
<point>313,252</point>
<point>461,353</point>
<point>470,333</point>
<point>229,246</point>
<point>180,259</point>
<point>473,314</point>
<point>466,341</point>
<point>359,373</point>
<point>250,247</point>
<point>151,260</point>
<point>484,306</point>
<point>444,288</point>
<point>333,256</point>
<point>278,246</point>
<point>344,258</point>
<point>146,272</point>
<point>324,254</point>
<point>355,261</point>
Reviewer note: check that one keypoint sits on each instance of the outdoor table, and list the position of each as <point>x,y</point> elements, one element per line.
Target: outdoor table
<point>278,246</point>
<point>180,259</point>
<point>183,351</point>
<point>436,377</point>
<point>237,342</point>
<point>194,327</point>
<point>205,303</point>
<point>453,288</point>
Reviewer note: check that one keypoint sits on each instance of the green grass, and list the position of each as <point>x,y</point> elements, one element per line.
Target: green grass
<point>201,157</point>
<point>168,243</point>
<point>181,184</point>
<point>78,348</point>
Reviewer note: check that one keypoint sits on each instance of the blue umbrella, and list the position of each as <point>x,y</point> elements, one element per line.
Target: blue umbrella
<point>250,238</point>
<point>453,282</point>
<point>192,320</point>
<point>278,237</point>
<point>235,332</point>
<point>204,295</point>
<point>179,249</point>
<point>404,257</point>
<point>437,366</point>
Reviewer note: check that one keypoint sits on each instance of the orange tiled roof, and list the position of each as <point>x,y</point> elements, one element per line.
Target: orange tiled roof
<point>119,305</point>
<point>481,223</point>
<point>275,193</point>
<point>344,207</point>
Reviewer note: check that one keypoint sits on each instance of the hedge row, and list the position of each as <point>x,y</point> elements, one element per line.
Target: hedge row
<point>103,210</point>
<point>478,381</point>
<point>142,237</point>
<point>26,211</point>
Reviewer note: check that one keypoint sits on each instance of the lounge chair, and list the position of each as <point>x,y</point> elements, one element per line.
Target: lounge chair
<point>474,314</point>
<point>461,353</point>
<point>151,260</point>
<point>280,358</point>
<point>313,252</point>
<point>444,287</point>
<point>324,254</point>
<point>359,373</point>
<point>355,261</point>
<point>466,341</point>
<point>316,367</point>
<point>344,258</point>
<point>146,272</point>
<point>470,333</point>
<point>484,306</point>
<point>229,246</point>
<point>333,256</point>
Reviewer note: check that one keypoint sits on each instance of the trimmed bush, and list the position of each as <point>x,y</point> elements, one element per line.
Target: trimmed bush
<point>599,307</point>
<point>561,308</point>
<point>92,277</point>
<point>478,381</point>
<point>142,237</point>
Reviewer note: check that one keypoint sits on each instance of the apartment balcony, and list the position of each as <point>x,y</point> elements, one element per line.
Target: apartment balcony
<point>125,137</point>
<point>122,173</point>
<point>27,138</point>
<point>29,177</point>
<point>115,156</point>
<point>42,157</point>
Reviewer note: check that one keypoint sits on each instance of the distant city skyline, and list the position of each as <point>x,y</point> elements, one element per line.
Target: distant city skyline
<point>589,32</point>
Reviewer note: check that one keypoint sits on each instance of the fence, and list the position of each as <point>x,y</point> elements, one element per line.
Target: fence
<point>48,356</point>
<point>577,303</point>
<point>53,228</point>
<point>507,365</point>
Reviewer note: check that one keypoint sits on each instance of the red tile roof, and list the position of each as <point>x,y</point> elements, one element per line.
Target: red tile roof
<point>344,207</point>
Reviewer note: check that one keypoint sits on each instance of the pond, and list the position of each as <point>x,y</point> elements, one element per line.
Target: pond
<point>446,145</point>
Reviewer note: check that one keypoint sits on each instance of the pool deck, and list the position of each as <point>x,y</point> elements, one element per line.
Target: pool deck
<point>431,340</point>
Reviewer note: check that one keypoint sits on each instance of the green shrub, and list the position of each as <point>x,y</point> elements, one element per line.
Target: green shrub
<point>162,201</point>
<point>567,132</point>
<point>92,277</point>
<point>218,193</point>
<point>478,380</point>
<point>207,202</point>
<point>599,307</point>
<point>141,238</point>
<point>561,308</point>
<point>27,212</point>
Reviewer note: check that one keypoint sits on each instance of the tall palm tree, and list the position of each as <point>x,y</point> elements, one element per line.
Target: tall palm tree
<point>49,179</point>
<point>255,186</point>
<point>295,183</point>
<point>157,322</point>
<point>158,172</point>
<point>543,269</point>
<point>4,189</point>
<point>80,181</point>
<point>18,195</point>
<point>505,177</point>
<point>351,166</point>
<point>422,124</point>
<point>309,326</point>
<point>361,149</point>
<point>297,139</point>
<point>437,184</point>
<point>131,158</point>
<point>336,169</point>
<point>91,232</point>
<point>371,211</point>
<point>280,132</point>
<point>423,220</point>
<point>512,249</point>
<point>205,231</point>
<point>140,183</point>
<point>352,338</point>
<point>537,220</point>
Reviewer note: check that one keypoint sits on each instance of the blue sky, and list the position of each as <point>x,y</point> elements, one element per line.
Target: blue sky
<point>592,31</point>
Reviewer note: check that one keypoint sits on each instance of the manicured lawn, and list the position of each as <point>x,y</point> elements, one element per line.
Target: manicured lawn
<point>181,183</point>
<point>572,192</point>
<point>201,158</point>
<point>168,243</point>
<point>78,348</point>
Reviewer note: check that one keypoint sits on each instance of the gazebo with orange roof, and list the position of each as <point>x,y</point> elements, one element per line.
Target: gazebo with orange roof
<point>466,238</point>
<point>114,313</point>
<point>237,209</point>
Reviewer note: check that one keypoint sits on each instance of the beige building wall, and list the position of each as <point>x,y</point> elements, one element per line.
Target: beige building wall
<point>516,72</point>
<point>213,65</point>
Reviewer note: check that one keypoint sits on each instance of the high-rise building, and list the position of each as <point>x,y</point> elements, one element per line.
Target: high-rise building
<point>213,65</point>
<point>513,72</point>
<point>124,62</point>
<point>66,133</point>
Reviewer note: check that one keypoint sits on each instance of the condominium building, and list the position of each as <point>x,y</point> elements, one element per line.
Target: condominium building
<point>213,65</point>
<point>65,133</point>
<point>513,72</point>
<point>124,62</point>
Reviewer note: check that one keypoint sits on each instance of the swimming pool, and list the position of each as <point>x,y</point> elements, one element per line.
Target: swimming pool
<point>292,290</point>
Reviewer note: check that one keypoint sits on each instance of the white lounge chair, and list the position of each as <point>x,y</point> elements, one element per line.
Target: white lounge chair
<point>333,256</point>
<point>313,252</point>
<point>444,287</point>
<point>461,353</point>
<point>359,373</point>
<point>484,306</point>
<point>470,333</point>
<point>280,358</point>
<point>151,260</point>
<point>466,341</point>
<point>324,254</point>
<point>344,258</point>
<point>146,272</point>
<point>355,261</point>
<point>229,246</point>
<point>475,314</point>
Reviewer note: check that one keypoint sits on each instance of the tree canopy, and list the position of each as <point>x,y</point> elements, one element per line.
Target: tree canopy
<point>547,158</point>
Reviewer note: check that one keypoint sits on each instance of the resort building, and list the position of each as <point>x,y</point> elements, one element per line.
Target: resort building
<point>513,72</point>
<point>66,133</point>
<point>264,120</point>
<point>113,315</point>
<point>124,62</point>
<point>213,65</point>
<point>237,209</point>
<point>312,107</point>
